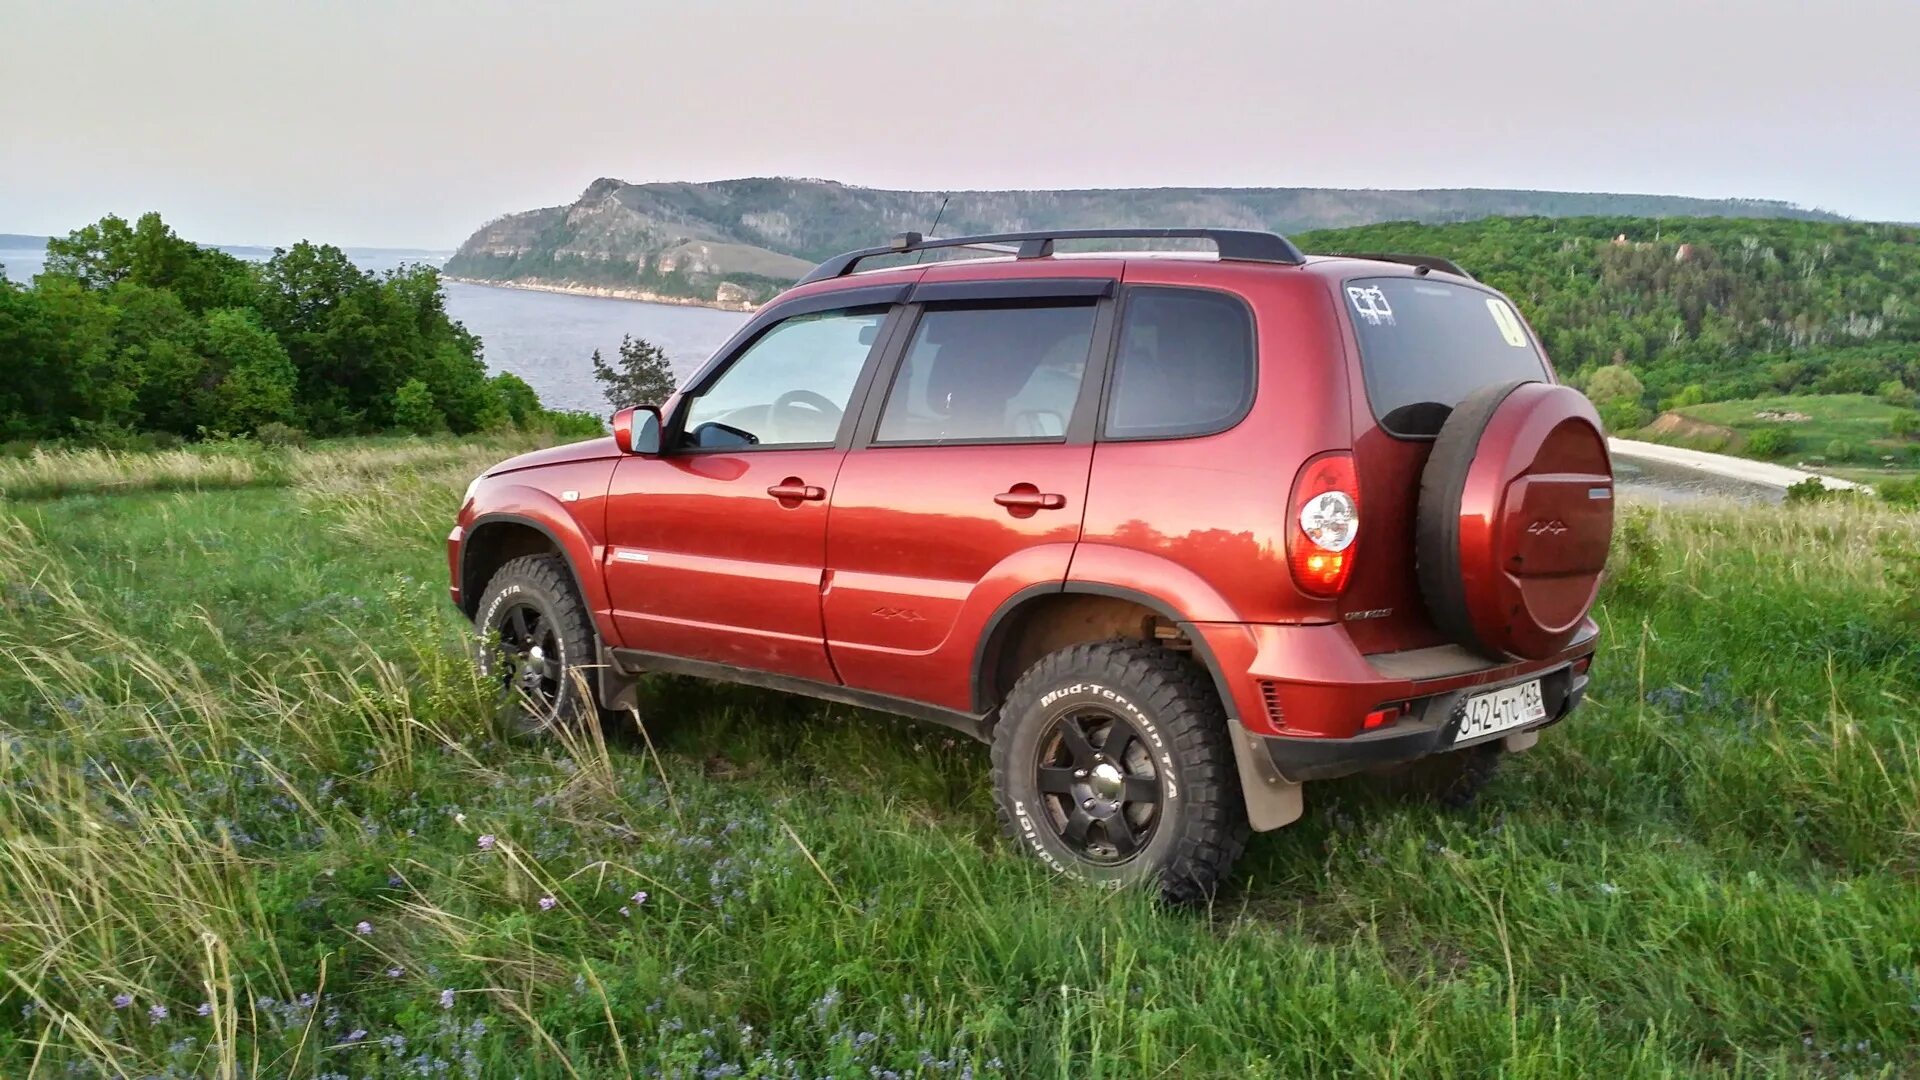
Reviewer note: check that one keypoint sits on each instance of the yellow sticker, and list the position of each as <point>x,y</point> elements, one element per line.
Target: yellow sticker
<point>1508,322</point>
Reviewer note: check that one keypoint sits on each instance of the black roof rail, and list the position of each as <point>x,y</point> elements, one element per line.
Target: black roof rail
<point>1239,245</point>
<point>1424,262</point>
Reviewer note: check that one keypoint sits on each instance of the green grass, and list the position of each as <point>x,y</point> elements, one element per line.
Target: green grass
<point>236,723</point>
<point>1856,419</point>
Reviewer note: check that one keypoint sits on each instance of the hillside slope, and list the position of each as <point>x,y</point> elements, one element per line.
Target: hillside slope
<point>739,241</point>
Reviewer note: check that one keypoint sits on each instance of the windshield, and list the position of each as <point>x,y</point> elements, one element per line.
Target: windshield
<point>1426,345</point>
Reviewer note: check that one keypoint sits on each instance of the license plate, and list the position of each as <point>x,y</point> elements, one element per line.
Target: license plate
<point>1507,707</point>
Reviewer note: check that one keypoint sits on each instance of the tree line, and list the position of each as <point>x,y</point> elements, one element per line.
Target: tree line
<point>1683,311</point>
<point>131,332</point>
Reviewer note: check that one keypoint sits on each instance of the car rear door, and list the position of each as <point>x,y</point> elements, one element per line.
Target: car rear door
<point>967,480</point>
<point>716,546</point>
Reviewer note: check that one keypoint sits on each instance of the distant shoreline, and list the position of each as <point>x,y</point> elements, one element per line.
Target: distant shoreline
<point>604,292</point>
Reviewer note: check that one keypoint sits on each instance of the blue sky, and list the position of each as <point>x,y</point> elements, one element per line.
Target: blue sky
<point>412,123</point>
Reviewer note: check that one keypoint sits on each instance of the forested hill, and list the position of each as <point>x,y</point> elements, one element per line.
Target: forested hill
<point>1698,309</point>
<point>740,241</point>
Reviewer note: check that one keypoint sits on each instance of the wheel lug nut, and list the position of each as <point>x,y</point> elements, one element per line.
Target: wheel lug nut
<point>1079,774</point>
<point>1088,804</point>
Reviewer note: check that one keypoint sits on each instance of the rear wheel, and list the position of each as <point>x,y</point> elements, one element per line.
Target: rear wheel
<point>534,642</point>
<point>1111,763</point>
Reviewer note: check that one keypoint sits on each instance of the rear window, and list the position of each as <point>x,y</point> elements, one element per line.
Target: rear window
<point>1426,345</point>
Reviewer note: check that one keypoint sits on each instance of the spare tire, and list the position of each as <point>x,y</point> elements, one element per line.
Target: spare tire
<point>1515,515</point>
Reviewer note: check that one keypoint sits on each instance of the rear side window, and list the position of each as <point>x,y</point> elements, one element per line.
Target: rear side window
<point>1185,365</point>
<point>989,374</point>
<point>1426,345</point>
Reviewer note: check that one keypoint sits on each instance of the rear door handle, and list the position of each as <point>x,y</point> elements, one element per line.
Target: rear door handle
<point>1024,497</point>
<point>792,488</point>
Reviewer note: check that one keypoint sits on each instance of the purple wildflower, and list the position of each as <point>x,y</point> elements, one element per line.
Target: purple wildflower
<point>363,928</point>
<point>626,913</point>
<point>356,1035</point>
<point>157,1014</point>
<point>122,1000</point>
<point>205,1009</point>
<point>547,903</point>
<point>394,972</point>
<point>640,897</point>
<point>446,999</point>
<point>486,842</point>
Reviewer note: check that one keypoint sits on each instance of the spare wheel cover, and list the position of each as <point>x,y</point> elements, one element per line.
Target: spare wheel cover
<point>1515,515</point>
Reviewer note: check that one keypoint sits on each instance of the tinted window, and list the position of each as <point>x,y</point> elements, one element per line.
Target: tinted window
<point>1425,345</point>
<point>791,387</point>
<point>1185,365</point>
<point>1000,373</point>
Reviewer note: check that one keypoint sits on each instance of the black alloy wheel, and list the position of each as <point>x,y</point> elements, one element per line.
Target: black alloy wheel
<point>1097,779</point>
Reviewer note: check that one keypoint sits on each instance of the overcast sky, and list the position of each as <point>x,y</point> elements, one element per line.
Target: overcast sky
<point>409,124</point>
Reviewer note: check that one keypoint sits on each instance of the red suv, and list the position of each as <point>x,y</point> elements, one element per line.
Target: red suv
<point>1175,532</point>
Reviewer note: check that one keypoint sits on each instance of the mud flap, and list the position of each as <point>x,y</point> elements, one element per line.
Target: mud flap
<point>1272,800</point>
<point>617,690</point>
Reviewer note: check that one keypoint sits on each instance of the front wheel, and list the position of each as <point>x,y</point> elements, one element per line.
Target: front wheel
<point>534,642</point>
<point>1111,762</point>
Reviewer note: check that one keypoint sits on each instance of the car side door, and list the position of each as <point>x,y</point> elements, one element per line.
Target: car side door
<point>716,546</point>
<point>967,479</point>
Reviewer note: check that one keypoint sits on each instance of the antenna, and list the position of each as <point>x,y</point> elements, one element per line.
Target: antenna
<point>938,214</point>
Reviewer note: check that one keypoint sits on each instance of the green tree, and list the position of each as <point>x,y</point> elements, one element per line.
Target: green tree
<point>641,376</point>
<point>254,378</point>
<point>414,410</point>
<point>1895,392</point>
<point>1614,383</point>
<point>1904,425</point>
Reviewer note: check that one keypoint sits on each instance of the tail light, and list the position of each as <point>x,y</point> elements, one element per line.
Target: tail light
<point>1325,521</point>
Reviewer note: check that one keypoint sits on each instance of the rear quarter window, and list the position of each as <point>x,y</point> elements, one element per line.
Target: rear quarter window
<point>1185,365</point>
<point>1425,345</point>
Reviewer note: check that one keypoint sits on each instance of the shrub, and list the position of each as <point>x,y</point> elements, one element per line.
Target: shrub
<point>414,410</point>
<point>1904,425</point>
<point>1770,443</point>
<point>1895,392</point>
<point>275,433</point>
<point>1623,414</point>
<point>1839,450</point>
<point>571,425</point>
<point>521,403</point>
<point>1902,493</point>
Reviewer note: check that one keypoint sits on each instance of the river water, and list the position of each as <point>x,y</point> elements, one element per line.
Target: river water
<point>548,338</point>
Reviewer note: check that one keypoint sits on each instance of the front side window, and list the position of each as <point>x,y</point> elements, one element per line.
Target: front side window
<point>1185,365</point>
<point>1425,345</point>
<point>791,387</point>
<point>1002,374</point>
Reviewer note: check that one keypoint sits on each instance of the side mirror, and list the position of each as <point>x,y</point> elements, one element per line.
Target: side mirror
<point>636,430</point>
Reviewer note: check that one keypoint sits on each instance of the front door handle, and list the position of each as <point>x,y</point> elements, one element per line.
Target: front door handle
<point>793,489</point>
<point>1027,497</point>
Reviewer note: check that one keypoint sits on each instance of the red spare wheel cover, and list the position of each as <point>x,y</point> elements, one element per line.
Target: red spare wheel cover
<point>1516,511</point>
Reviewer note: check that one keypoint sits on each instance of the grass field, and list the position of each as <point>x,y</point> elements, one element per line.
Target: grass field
<point>1860,421</point>
<point>255,821</point>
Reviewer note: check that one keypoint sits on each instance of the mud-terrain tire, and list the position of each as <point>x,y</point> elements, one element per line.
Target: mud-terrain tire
<point>528,613</point>
<point>1452,780</point>
<point>1174,747</point>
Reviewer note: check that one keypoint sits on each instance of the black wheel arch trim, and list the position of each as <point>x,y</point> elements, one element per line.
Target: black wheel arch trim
<point>986,655</point>
<point>470,597</point>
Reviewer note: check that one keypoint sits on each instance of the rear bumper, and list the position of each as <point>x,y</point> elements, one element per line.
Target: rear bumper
<point>1308,683</point>
<point>1429,729</point>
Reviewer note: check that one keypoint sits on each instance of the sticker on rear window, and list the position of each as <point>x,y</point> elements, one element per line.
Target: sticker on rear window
<point>1507,321</point>
<point>1370,303</point>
